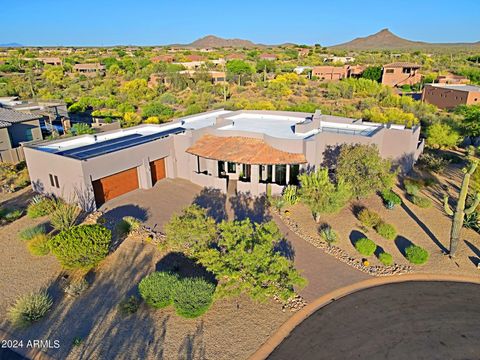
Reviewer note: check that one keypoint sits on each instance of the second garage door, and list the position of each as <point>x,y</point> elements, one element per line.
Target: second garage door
<point>157,169</point>
<point>115,185</point>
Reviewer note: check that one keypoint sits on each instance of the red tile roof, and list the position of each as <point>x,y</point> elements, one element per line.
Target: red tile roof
<point>242,150</point>
<point>402,65</point>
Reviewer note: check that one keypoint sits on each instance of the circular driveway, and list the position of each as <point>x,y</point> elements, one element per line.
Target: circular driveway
<point>410,320</point>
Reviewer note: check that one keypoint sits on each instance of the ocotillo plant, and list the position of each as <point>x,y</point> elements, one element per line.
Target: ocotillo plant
<point>460,211</point>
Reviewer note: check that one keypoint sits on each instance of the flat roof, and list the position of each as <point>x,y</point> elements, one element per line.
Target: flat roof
<point>88,146</point>
<point>461,87</point>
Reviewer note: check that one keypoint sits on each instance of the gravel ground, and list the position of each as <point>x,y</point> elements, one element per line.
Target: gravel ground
<point>232,329</point>
<point>429,228</point>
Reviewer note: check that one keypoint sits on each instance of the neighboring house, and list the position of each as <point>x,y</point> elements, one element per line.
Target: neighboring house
<point>452,79</point>
<point>339,59</point>
<point>53,109</point>
<point>246,151</point>
<point>269,57</point>
<point>303,52</point>
<point>215,76</point>
<point>17,128</point>
<point>163,58</point>
<point>235,57</point>
<point>92,69</point>
<point>331,73</point>
<point>192,58</point>
<point>401,73</point>
<point>449,96</point>
<point>50,61</point>
<point>302,69</point>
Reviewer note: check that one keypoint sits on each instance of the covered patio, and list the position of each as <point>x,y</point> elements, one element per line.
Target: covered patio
<point>244,164</point>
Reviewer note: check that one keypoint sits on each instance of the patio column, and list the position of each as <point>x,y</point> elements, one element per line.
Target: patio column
<point>287,179</point>
<point>254,174</point>
<point>273,173</point>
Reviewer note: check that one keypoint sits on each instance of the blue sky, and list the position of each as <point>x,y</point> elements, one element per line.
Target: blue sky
<point>150,22</point>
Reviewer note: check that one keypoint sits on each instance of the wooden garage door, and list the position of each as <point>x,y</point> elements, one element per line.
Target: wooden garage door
<point>157,168</point>
<point>115,185</point>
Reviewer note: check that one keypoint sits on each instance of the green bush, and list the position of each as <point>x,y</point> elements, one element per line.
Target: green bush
<point>129,306</point>
<point>290,194</point>
<point>30,232</point>
<point>157,289</point>
<point>82,246</point>
<point>192,297</point>
<point>421,201</point>
<point>416,254</point>
<point>328,234</point>
<point>76,287</point>
<point>10,215</point>
<point>365,246</point>
<point>128,224</point>
<point>412,187</point>
<point>38,245</point>
<point>386,230</point>
<point>64,215</point>
<point>29,308</point>
<point>278,202</point>
<point>385,258</point>
<point>390,199</point>
<point>39,206</point>
<point>369,218</point>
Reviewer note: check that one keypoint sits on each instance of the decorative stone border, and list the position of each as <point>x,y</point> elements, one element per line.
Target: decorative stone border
<point>287,327</point>
<point>341,254</point>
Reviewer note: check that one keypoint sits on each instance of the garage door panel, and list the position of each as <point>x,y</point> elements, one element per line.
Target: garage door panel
<point>157,169</point>
<point>112,186</point>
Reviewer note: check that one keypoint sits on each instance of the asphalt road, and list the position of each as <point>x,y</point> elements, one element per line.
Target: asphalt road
<point>413,320</point>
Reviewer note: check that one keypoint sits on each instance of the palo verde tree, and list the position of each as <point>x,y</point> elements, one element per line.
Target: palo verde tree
<point>321,194</point>
<point>461,210</point>
<point>364,170</point>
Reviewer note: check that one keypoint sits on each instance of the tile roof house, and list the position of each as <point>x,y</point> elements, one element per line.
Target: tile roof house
<point>90,69</point>
<point>244,151</point>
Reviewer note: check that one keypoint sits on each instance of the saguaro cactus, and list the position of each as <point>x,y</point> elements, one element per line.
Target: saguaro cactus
<point>460,211</point>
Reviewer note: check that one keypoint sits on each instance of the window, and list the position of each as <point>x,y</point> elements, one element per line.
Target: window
<point>389,71</point>
<point>221,169</point>
<point>281,174</point>
<point>407,70</point>
<point>231,167</point>
<point>28,135</point>
<point>294,171</point>
<point>54,181</point>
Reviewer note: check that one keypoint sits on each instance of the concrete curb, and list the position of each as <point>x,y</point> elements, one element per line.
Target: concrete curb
<point>287,327</point>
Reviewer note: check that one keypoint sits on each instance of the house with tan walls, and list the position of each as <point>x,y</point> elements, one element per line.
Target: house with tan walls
<point>401,73</point>
<point>449,96</point>
<point>234,151</point>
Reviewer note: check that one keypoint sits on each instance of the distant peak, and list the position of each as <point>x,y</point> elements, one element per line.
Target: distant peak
<point>386,30</point>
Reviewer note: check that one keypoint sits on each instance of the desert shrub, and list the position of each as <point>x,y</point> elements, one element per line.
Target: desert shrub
<point>328,234</point>
<point>411,188</point>
<point>432,162</point>
<point>369,218</point>
<point>290,194</point>
<point>10,215</point>
<point>64,215</point>
<point>82,246</point>
<point>129,305</point>
<point>385,258</point>
<point>278,202</point>
<point>365,246</point>
<point>421,201</point>
<point>386,230</point>
<point>76,287</point>
<point>157,289</point>
<point>29,308</point>
<point>416,254</point>
<point>39,206</point>
<point>38,245</point>
<point>128,224</point>
<point>390,199</point>
<point>30,232</point>
<point>192,297</point>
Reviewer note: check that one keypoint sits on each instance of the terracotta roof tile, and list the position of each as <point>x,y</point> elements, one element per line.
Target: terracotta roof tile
<point>242,150</point>
<point>402,64</point>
